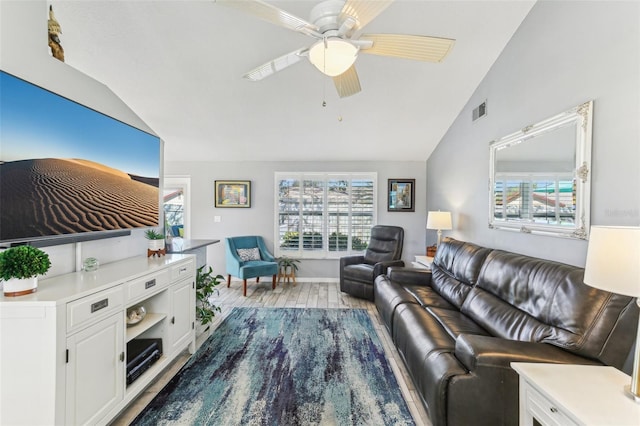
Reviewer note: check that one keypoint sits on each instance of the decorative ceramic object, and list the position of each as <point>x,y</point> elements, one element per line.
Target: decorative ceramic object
<point>135,315</point>
<point>155,245</point>
<point>20,267</point>
<point>20,286</point>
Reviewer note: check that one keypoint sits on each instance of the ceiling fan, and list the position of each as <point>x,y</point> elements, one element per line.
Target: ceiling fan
<point>336,25</point>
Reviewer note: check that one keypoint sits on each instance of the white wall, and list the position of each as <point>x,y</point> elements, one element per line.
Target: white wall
<point>260,218</point>
<point>563,54</point>
<point>24,53</point>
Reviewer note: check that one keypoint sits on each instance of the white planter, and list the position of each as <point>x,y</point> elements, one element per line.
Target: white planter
<point>20,287</point>
<point>155,245</point>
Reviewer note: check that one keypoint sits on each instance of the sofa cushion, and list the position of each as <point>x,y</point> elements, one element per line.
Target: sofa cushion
<point>360,272</point>
<point>455,269</point>
<point>427,296</point>
<point>416,333</point>
<point>387,296</point>
<point>524,298</point>
<point>456,323</point>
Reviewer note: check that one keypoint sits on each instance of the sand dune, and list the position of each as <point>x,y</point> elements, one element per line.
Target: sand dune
<point>55,196</point>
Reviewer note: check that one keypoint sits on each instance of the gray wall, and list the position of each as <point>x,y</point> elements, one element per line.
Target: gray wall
<point>260,218</point>
<point>563,54</point>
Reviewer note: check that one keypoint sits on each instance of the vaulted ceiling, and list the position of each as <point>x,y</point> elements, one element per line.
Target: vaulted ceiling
<point>179,66</point>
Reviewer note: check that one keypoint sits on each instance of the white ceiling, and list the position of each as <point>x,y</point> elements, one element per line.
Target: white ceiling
<point>179,66</point>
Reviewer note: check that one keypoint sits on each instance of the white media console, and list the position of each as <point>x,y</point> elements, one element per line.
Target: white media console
<point>63,348</point>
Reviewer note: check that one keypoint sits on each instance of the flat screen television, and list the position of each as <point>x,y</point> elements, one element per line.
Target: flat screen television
<point>68,170</point>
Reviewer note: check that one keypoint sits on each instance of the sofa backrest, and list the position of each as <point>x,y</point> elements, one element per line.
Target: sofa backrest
<point>455,269</point>
<point>523,298</point>
<point>385,244</point>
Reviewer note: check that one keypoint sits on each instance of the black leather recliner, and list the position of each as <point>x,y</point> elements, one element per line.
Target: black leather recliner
<point>357,273</point>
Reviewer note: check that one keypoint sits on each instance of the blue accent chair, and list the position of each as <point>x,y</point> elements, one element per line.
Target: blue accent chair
<point>267,265</point>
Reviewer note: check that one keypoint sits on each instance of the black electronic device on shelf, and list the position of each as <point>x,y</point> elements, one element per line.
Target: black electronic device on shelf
<point>141,354</point>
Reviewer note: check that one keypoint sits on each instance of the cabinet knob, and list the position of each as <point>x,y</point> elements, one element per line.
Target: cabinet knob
<point>553,409</point>
<point>121,356</point>
<point>173,320</point>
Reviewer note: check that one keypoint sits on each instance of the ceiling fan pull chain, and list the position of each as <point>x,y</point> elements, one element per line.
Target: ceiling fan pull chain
<point>324,65</point>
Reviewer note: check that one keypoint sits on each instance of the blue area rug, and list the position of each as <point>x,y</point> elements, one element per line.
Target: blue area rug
<point>272,366</point>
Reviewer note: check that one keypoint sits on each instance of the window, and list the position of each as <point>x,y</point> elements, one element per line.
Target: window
<point>324,215</point>
<point>176,205</point>
<point>539,198</point>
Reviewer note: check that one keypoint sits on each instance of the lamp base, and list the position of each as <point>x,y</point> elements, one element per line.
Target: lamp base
<point>633,396</point>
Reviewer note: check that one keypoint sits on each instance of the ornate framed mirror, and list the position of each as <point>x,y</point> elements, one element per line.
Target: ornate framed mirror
<point>539,177</point>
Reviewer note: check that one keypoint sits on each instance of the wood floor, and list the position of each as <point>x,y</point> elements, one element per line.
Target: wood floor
<point>303,295</point>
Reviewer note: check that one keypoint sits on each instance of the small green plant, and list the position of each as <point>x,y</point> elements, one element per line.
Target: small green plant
<point>152,234</point>
<point>23,262</point>
<point>285,262</point>
<point>205,287</point>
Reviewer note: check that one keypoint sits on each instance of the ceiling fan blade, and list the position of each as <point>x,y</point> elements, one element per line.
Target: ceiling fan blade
<point>362,11</point>
<point>273,15</point>
<point>276,65</point>
<point>420,48</point>
<point>347,83</point>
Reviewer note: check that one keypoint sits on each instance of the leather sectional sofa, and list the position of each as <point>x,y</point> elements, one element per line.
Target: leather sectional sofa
<point>459,326</point>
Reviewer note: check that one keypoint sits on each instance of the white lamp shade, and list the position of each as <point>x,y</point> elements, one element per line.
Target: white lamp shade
<point>439,220</point>
<point>613,259</point>
<point>335,59</point>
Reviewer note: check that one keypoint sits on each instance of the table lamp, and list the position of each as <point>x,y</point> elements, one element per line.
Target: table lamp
<point>440,221</point>
<point>613,264</point>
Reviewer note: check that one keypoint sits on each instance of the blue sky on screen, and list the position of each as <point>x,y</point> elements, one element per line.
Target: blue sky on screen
<point>35,123</point>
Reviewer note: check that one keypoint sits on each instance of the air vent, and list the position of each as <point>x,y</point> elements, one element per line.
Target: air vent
<point>480,111</point>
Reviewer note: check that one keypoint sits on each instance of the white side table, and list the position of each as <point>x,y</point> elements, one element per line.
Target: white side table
<point>569,394</point>
<point>422,262</point>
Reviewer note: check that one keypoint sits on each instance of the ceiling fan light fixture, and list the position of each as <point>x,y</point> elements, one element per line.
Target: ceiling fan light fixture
<point>333,56</point>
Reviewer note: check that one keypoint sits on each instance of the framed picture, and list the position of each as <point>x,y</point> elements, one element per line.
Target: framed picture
<point>401,195</point>
<point>233,193</point>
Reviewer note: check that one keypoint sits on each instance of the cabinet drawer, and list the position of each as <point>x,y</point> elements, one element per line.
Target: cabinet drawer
<point>147,285</point>
<point>183,270</point>
<point>544,411</point>
<point>85,311</point>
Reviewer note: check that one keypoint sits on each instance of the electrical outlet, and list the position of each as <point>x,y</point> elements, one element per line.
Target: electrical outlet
<point>217,219</point>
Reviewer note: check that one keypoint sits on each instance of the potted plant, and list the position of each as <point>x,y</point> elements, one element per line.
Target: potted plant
<point>156,240</point>
<point>287,268</point>
<point>205,288</point>
<point>287,265</point>
<point>20,267</point>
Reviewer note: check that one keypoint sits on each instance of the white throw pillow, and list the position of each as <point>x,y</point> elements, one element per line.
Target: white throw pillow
<point>249,254</point>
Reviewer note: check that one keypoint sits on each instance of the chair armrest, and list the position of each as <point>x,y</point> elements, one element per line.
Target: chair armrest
<point>476,352</point>
<point>232,262</point>
<point>351,260</point>
<point>411,276</point>
<point>264,252</point>
<point>380,268</point>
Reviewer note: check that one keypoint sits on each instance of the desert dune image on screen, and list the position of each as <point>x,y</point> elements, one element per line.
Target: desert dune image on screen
<point>67,169</point>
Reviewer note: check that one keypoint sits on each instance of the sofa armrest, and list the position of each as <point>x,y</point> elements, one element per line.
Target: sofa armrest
<point>410,276</point>
<point>475,352</point>
<point>381,268</point>
<point>351,260</point>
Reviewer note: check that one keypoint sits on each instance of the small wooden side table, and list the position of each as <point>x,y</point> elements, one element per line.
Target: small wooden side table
<point>287,276</point>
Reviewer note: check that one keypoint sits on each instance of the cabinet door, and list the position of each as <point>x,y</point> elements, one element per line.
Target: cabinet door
<point>95,371</point>
<point>182,316</point>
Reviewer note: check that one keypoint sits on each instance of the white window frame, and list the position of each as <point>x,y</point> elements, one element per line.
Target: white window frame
<point>325,176</point>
